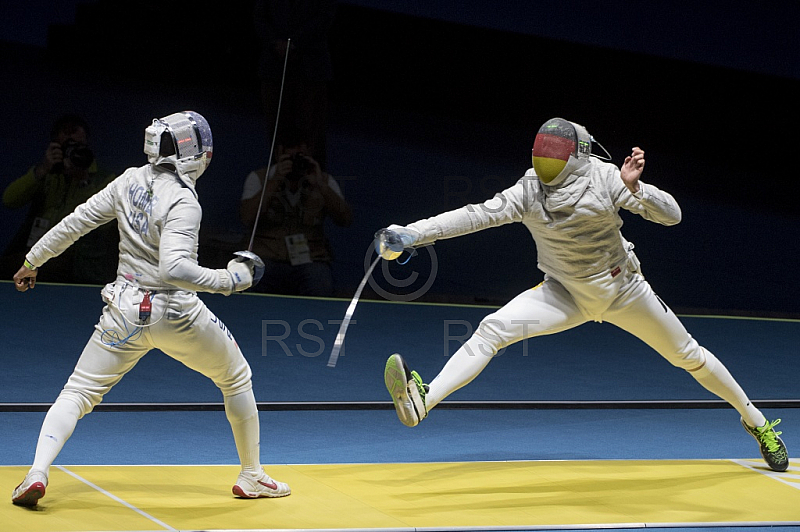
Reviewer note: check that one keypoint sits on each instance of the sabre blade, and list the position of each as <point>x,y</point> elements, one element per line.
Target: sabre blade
<point>348,316</point>
<point>258,270</point>
<point>272,147</point>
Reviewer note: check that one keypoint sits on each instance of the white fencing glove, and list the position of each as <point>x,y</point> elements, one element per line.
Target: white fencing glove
<point>241,272</point>
<point>391,241</point>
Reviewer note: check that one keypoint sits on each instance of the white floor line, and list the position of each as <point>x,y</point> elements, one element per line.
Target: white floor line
<point>584,526</point>
<point>114,497</point>
<point>784,477</point>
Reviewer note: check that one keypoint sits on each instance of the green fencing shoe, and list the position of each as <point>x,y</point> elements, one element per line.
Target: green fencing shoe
<point>773,449</point>
<point>407,391</point>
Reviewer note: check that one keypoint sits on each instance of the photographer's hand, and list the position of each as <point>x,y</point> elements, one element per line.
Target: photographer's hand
<point>283,167</point>
<point>337,208</point>
<point>248,209</point>
<point>274,181</point>
<point>314,175</point>
<point>52,156</point>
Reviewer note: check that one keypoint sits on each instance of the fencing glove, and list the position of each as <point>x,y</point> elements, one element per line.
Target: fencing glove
<point>391,241</point>
<point>241,272</point>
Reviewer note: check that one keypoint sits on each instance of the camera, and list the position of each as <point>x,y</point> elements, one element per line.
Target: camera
<point>300,167</point>
<point>78,153</point>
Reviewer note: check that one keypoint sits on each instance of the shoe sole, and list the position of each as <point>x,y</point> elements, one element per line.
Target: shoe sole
<point>239,492</point>
<point>31,496</point>
<point>780,468</point>
<point>396,378</point>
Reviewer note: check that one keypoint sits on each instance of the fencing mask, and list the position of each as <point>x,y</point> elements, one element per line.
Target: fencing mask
<point>560,147</point>
<point>183,140</point>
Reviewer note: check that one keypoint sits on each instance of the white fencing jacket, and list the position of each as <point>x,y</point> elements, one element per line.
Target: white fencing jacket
<point>158,232</point>
<point>575,225</point>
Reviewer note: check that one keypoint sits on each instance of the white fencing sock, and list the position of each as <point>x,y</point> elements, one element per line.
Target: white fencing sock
<point>57,427</point>
<point>716,378</point>
<point>242,414</point>
<point>463,366</point>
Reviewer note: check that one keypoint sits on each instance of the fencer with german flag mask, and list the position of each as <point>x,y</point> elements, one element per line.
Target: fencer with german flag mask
<point>153,302</point>
<point>570,202</point>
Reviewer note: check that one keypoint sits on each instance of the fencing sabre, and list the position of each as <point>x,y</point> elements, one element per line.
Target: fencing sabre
<point>249,255</point>
<point>337,345</point>
<point>391,240</point>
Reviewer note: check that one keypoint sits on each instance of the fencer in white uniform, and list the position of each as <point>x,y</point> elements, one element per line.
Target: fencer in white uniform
<point>153,303</point>
<point>570,202</point>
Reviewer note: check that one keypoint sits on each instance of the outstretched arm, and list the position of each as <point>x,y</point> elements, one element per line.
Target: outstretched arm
<point>505,207</point>
<point>98,210</point>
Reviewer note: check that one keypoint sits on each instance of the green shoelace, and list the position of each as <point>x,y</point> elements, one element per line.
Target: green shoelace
<point>768,436</point>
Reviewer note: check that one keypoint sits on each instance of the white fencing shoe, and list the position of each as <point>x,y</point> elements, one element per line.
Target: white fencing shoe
<point>250,486</point>
<point>30,490</point>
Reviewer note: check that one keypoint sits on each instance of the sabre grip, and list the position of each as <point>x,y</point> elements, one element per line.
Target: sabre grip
<point>391,241</point>
<point>256,262</point>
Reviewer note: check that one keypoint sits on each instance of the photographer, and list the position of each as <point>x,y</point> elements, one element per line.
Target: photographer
<point>290,236</point>
<point>66,177</point>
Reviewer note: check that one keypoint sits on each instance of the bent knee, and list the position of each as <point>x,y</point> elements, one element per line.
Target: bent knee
<point>87,390</point>
<point>495,333</point>
<point>236,381</point>
<point>691,356</point>
<point>85,400</point>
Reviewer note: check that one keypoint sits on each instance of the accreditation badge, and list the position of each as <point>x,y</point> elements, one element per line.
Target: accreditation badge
<point>299,253</point>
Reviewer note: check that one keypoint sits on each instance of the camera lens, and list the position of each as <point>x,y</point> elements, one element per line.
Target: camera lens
<point>300,167</point>
<point>78,153</point>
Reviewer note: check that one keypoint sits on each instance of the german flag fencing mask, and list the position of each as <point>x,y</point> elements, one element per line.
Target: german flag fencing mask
<point>559,147</point>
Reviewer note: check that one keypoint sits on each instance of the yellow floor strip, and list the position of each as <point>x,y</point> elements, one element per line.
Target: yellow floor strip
<point>413,496</point>
<point>69,505</point>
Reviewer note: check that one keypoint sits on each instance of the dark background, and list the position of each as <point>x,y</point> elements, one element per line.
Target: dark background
<point>435,104</point>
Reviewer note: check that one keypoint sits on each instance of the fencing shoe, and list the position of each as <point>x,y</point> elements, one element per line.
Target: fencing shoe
<point>254,486</point>
<point>407,391</point>
<point>773,449</point>
<point>30,490</point>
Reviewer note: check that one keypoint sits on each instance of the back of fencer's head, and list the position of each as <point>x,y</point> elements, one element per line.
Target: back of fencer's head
<point>182,141</point>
